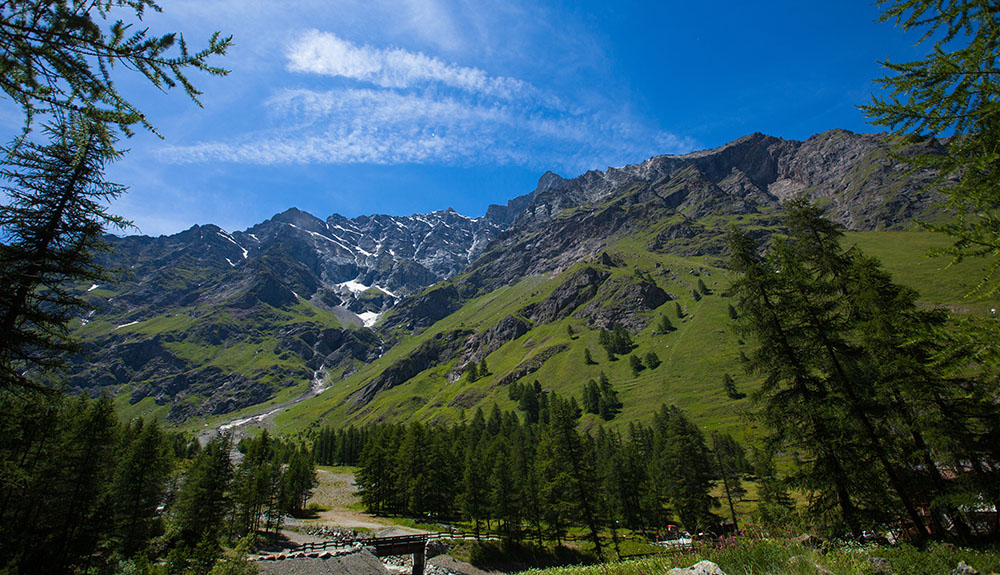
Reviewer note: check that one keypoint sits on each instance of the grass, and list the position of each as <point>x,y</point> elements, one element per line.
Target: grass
<point>783,557</point>
<point>695,357</point>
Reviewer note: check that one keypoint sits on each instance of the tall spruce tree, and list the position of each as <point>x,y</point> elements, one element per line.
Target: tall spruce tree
<point>795,401</point>
<point>52,222</point>
<point>953,91</point>
<point>203,500</point>
<point>862,357</point>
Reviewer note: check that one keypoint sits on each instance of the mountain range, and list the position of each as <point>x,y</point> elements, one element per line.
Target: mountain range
<point>377,317</point>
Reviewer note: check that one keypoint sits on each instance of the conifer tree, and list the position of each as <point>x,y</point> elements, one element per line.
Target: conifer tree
<point>298,481</point>
<point>684,468</point>
<point>652,360</point>
<point>139,484</point>
<point>587,358</point>
<point>953,91</point>
<point>636,364</point>
<point>592,397</point>
<point>58,61</point>
<point>729,384</point>
<point>530,404</point>
<point>51,226</point>
<point>203,502</point>
<point>58,58</point>
<point>569,477</point>
<point>729,459</point>
<point>609,405</point>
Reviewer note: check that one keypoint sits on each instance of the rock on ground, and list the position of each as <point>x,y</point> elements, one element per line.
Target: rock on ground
<point>699,568</point>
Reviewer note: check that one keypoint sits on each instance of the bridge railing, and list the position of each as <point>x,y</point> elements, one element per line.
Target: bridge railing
<point>386,541</point>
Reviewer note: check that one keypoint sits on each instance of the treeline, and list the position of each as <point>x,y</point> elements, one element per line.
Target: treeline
<point>891,411</point>
<point>82,492</point>
<point>534,480</point>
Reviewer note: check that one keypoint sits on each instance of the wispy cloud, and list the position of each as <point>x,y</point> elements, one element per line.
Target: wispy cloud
<point>393,106</point>
<point>327,54</point>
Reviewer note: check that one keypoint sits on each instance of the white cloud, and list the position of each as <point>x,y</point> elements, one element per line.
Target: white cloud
<point>324,53</point>
<point>396,106</point>
<point>388,127</point>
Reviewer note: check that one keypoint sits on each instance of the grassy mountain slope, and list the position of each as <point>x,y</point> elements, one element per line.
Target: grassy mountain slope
<point>695,356</point>
<point>211,324</point>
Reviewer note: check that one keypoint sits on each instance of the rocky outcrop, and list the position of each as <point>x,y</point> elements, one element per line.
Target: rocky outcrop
<point>532,364</point>
<point>574,292</point>
<point>480,345</point>
<point>421,312</point>
<point>625,301</point>
<point>439,349</point>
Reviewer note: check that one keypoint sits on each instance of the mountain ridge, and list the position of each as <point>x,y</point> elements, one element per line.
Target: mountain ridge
<point>296,295</point>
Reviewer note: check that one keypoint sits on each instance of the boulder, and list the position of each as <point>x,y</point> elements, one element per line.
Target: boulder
<point>700,568</point>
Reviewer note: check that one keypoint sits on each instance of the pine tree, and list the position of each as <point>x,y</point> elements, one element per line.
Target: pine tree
<point>202,502</point>
<point>730,386</point>
<point>678,310</point>
<point>608,405</point>
<point>51,228</point>
<point>484,370</point>
<point>729,459</point>
<point>682,468</point>
<point>652,360</point>
<point>570,479</point>
<point>474,497</point>
<point>636,364</point>
<point>838,315</point>
<point>587,358</point>
<point>703,288</point>
<point>794,403</point>
<point>592,397</point>
<point>732,312</point>
<point>139,484</point>
<point>57,59</point>
<point>58,62</point>
<point>530,404</point>
<point>472,371</point>
<point>298,481</point>
<point>953,92</point>
<point>664,326</point>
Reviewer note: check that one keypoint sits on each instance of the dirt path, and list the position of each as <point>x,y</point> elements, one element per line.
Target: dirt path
<point>338,494</point>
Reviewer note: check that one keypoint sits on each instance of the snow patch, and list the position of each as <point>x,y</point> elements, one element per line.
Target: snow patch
<point>354,286</point>
<point>385,291</point>
<point>369,318</point>
<point>126,324</point>
<point>321,236</point>
<point>226,236</point>
<point>93,287</point>
<point>230,262</point>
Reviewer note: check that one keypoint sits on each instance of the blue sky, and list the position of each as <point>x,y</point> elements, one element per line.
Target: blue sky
<point>373,106</point>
